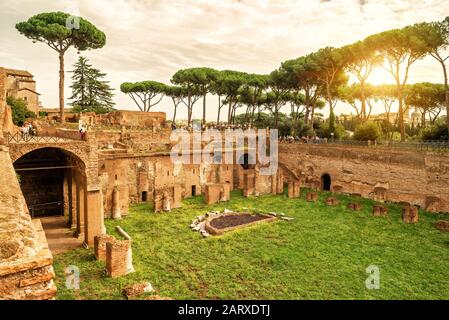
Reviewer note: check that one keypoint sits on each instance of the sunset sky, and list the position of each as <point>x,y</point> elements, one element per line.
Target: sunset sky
<point>152,39</point>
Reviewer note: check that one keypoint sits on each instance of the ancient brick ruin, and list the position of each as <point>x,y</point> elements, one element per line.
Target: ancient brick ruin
<point>126,159</point>
<point>382,174</point>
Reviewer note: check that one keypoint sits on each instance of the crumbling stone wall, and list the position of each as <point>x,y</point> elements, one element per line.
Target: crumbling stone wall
<point>26,270</point>
<point>419,178</point>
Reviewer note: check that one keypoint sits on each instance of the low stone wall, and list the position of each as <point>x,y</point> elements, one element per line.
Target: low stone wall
<point>29,277</point>
<point>383,174</point>
<point>26,270</point>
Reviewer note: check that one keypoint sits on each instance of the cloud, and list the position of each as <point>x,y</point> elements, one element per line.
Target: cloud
<point>151,39</point>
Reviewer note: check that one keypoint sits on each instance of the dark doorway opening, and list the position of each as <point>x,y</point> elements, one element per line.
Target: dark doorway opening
<point>144,196</point>
<point>41,174</point>
<point>246,161</point>
<point>193,191</point>
<point>326,182</point>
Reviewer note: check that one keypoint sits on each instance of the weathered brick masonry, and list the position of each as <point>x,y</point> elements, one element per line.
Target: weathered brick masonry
<point>412,176</point>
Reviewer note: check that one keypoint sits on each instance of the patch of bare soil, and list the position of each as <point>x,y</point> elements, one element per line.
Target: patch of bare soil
<point>235,220</point>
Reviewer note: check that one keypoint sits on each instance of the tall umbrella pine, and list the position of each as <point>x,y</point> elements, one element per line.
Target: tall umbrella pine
<point>361,60</point>
<point>186,79</point>
<point>329,66</point>
<point>436,36</point>
<point>196,81</point>
<point>145,94</point>
<point>60,31</point>
<point>400,48</point>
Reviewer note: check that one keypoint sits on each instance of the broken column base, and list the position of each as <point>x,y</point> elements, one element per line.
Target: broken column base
<point>100,246</point>
<point>331,201</point>
<point>442,225</point>
<point>410,214</point>
<point>312,197</point>
<point>117,258</point>
<point>355,206</point>
<point>380,211</point>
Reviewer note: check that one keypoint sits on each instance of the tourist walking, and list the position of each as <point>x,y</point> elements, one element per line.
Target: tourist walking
<point>25,131</point>
<point>83,132</point>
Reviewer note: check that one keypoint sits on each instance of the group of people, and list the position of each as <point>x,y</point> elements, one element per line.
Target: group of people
<point>27,130</point>
<point>303,139</point>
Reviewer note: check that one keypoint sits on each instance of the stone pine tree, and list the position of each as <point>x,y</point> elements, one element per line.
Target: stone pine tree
<point>89,91</point>
<point>60,31</point>
<point>177,94</point>
<point>400,48</point>
<point>145,94</point>
<point>436,36</point>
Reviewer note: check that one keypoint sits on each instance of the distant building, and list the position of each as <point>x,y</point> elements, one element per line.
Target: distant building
<point>20,84</point>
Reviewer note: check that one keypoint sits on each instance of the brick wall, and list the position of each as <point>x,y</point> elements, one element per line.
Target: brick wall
<point>405,175</point>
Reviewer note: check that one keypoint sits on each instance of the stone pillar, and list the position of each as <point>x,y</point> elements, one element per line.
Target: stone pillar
<point>117,258</point>
<point>66,195</point>
<point>116,210</point>
<point>166,202</point>
<point>249,188</point>
<point>80,205</point>
<point>274,184</point>
<point>157,202</point>
<point>177,196</point>
<point>100,246</point>
<point>103,228</point>
<point>73,193</point>
<point>280,183</point>
<point>292,190</point>
<point>93,219</point>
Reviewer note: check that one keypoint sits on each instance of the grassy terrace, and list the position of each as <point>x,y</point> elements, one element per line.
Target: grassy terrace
<point>322,254</point>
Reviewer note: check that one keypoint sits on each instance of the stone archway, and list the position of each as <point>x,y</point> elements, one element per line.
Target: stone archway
<point>326,182</point>
<point>58,181</point>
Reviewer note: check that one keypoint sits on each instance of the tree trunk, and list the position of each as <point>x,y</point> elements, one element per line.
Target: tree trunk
<point>203,123</point>
<point>307,103</point>
<point>362,97</point>
<point>219,109</point>
<point>229,111</point>
<point>189,110</point>
<point>446,94</point>
<point>61,87</point>
<point>401,115</point>
<point>174,114</point>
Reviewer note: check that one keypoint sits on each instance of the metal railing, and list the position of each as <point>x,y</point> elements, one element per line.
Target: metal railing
<point>21,138</point>
<point>46,209</point>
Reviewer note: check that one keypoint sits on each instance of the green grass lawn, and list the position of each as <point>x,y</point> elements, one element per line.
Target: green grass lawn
<point>322,254</point>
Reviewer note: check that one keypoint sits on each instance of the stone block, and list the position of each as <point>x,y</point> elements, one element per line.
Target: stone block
<point>212,193</point>
<point>157,203</point>
<point>410,214</point>
<point>117,258</point>
<point>355,206</point>
<point>312,197</point>
<point>442,225</point>
<point>100,246</point>
<point>380,211</point>
<point>177,197</point>
<point>136,290</point>
<point>332,201</point>
<point>294,189</point>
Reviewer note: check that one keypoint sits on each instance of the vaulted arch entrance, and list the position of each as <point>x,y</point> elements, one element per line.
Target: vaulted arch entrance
<point>54,185</point>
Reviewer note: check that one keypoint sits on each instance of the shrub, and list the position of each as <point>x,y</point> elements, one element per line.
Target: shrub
<point>367,131</point>
<point>437,131</point>
<point>325,132</point>
<point>19,110</point>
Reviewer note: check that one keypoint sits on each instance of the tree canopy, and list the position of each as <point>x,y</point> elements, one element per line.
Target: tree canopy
<point>146,94</point>
<point>60,31</point>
